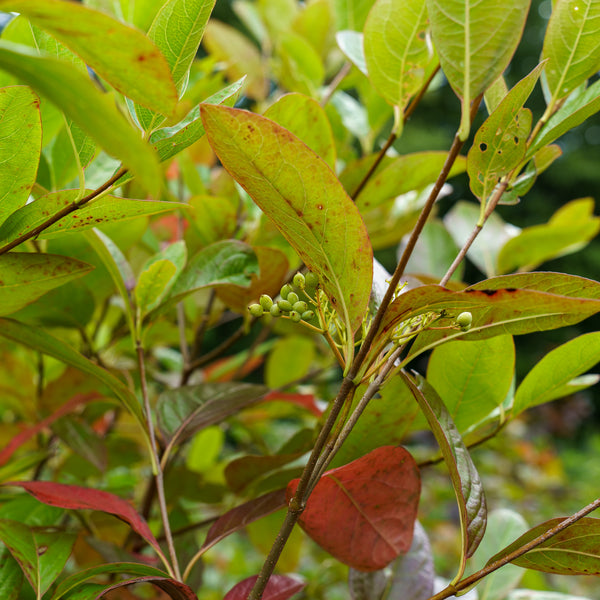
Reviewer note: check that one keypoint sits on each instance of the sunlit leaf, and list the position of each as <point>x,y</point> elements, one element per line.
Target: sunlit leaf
<point>351,44</point>
<point>364,512</point>
<point>475,41</point>
<point>295,188</point>
<point>20,146</point>
<point>122,55</point>
<point>465,479</point>
<point>351,14</point>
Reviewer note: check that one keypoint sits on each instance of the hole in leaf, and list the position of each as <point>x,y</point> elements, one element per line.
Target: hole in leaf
<point>483,147</point>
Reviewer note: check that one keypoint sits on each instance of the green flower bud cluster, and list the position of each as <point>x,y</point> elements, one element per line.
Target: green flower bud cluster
<point>290,304</point>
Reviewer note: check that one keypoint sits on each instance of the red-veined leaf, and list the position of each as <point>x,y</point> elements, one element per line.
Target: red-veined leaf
<point>364,512</point>
<point>279,587</point>
<point>173,588</point>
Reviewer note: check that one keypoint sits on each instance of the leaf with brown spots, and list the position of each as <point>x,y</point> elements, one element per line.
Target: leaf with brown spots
<point>304,199</point>
<point>364,512</point>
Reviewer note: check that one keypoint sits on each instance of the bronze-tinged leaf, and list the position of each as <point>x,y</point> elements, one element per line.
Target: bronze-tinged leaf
<point>279,587</point>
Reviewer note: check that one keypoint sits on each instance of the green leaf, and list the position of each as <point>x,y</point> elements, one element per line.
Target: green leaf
<point>397,49</point>
<point>500,143</point>
<point>120,54</point>
<point>222,263</point>
<point>204,449</point>
<point>299,68</point>
<point>472,378</point>
<point>106,209</point>
<point>502,526</point>
<point>571,45</point>
<point>351,44</point>
<point>81,101</point>
<point>351,14</point>
<point>26,276</point>
<point>153,283</point>
<point>573,551</point>
<point>302,196</point>
<point>11,576</point>
<point>42,555</point>
<point>569,230</point>
<point>305,118</point>
<point>550,377</point>
<point>289,360</point>
<point>20,146</point>
<point>40,341</point>
<point>475,40</point>
<point>575,110</point>
<point>177,30</point>
<point>75,580</point>
<point>465,479</point>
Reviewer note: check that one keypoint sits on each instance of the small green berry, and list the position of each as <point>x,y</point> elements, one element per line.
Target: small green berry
<point>256,310</point>
<point>275,311</point>
<point>311,280</point>
<point>266,301</point>
<point>308,315</point>
<point>295,316</point>
<point>464,320</point>
<point>285,290</point>
<point>299,281</point>
<point>292,298</point>
<point>285,305</point>
<point>300,306</point>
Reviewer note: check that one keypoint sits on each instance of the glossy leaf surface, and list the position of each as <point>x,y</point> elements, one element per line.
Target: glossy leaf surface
<point>364,512</point>
<point>122,55</point>
<point>573,551</point>
<point>26,276</point>
<point>302,196</point>
<point>20,146</point>
<point>176,590</point>
<point>465,479</point>
<point>279,587</point>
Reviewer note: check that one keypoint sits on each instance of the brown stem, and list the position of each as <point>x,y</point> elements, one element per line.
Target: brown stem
<point>467,582</point>
<point>63,212</point>
<point>335,82</point>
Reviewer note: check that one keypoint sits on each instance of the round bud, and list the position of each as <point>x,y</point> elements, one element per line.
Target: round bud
<point>308,315</point>
<point>300,306</point>
<point>266,301</point>
<point>299,281</point>
<point>464,320</point>
<point>295,316</point>
<point>285,290</point>
<point>292,298</point>
<point>256,310</point>
<point>311,280</point>
<point>285,305</point>
<point>275,311</point>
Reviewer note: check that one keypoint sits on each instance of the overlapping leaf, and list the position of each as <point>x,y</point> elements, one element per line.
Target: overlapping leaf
<point>279,587</point>
<point>364,512</point>
<point>302,196</point>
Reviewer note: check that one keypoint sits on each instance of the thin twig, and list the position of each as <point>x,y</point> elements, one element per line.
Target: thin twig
<point>335,82</point>
<point>63,212</point>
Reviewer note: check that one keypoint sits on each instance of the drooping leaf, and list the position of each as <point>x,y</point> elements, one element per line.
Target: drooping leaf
<point>242,515</point>
<point>106,209</point>
<point>26,276</point>
<point>229,262</point>
<point>500,143</point>
<point>503,525</point>
<point>472,378</point>
<point>80,100</point>
<point>573,551</point>
<point>475,41</point>
<point>306,119</point>
<point>177,30</point>
<point>364,513</point>
<point>78,498</point>
<point>20,146</point>
<point>41,554</point>
<point>571,45</point>
<point>397,50</point>
<point>77,579</point>
<point>550,378</point>
<point>295,188</point>
<point>122,55</point>
<point>465,479</point>
<point>176,590</point>
<point>279,587</point>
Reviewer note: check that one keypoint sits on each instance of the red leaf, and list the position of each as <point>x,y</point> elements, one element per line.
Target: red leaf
<point>76,497</point>
<point>175,589</point>
<point>364,512</point>
<point>306,401</point>
<point>28,433</point>
<point>279,587</point>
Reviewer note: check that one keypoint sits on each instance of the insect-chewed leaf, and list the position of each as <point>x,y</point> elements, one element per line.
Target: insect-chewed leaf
<point>302,196</point>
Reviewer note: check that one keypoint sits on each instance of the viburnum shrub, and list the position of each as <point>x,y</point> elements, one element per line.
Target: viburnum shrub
<point>195,333</point>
